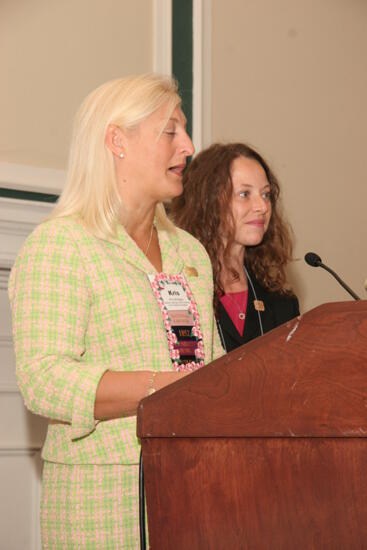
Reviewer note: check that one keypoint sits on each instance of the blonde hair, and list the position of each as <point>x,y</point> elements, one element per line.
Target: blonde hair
<point>91,192</point>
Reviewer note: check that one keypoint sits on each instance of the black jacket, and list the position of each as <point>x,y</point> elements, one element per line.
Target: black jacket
<point>279,309</point>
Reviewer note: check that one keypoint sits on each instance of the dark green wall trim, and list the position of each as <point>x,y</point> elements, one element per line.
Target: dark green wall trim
<point>27,195</point>
<point>182,52</point>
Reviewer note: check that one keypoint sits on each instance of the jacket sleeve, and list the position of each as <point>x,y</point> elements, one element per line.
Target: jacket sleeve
<point>288,308</point>
<point>50,301</point>
<point>296,306</point>
<point>293,307</point>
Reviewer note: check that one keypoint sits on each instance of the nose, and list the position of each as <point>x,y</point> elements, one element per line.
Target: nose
<point>260,204</point>
<point>187,146</point>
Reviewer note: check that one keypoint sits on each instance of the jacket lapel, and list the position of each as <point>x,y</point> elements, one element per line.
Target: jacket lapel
<point>227,325</point>
<point>252,327</point>
<point>126,248</point>
<point>266,316</point>
<point>172,261</point>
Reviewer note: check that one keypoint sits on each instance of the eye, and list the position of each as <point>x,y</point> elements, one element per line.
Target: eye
<point>244,194</point>
<point>170,131</point>
<point>267,195</point>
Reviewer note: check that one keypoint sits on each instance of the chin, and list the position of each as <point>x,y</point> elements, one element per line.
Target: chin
<point>174,191</point>
<point>253,242</point>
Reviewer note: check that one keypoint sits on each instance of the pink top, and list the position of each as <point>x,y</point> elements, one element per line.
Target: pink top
<point>235,303</point>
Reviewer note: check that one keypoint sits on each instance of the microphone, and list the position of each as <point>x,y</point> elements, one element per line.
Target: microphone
<point>315,261</point>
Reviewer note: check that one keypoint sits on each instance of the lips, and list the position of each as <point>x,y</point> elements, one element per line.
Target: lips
<point>257,223</point>
<point>178,169</point>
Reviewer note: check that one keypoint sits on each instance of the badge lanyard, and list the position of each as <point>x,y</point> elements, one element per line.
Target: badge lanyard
<point>180,319</point>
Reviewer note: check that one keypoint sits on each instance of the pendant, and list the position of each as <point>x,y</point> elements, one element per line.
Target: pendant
<point>241,316</point>
<point>259,305</point>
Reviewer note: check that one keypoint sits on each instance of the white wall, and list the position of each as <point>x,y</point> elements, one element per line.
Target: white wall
<point>290,78</point>
<point>52,54</point>
<point>21,433</point>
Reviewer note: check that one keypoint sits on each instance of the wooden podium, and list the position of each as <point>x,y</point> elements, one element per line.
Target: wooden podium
<point>265,448</point>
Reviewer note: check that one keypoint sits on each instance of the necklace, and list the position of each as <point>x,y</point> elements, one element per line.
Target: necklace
<point>150,239</point>
<point>241,312</point>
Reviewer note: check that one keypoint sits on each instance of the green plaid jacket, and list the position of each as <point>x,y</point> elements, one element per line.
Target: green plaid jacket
<point>81,306</point>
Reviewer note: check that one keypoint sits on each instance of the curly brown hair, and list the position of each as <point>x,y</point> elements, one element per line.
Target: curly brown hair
<point>204,211</point>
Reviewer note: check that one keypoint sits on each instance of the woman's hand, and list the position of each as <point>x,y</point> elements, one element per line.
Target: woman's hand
<point>119,393</point>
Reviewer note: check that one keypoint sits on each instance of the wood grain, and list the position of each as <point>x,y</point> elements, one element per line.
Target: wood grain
<point>268,493</point>
<point>265,448</point>
<point>306,377</point>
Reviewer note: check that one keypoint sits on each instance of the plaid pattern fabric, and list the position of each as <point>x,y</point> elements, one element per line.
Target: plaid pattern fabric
<point>81,306</point>
<point>90,507</point>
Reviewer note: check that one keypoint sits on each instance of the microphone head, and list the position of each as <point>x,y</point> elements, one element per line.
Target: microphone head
<point>313,259</point>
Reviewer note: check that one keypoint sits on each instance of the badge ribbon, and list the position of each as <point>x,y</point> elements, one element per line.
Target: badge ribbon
<point>180,319</point>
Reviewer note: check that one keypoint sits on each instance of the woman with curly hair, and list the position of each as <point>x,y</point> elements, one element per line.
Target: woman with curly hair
<point>230,204</point>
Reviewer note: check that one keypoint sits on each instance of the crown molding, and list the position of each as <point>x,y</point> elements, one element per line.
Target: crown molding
<point>17,219</point>
<point>31,178</point>
<point>9,388</point>
<point>4,278</point>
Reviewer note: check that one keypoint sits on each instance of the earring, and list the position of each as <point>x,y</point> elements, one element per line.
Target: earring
<point>121,155</point>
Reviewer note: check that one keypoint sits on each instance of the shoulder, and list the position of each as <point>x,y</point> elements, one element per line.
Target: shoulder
<point>190,247</point>
<point>287,299</point>
<point>59,232</point>
<point>285,306</point>
<point>53,241</point>
<point>187,241</point>
<point>53,228</point>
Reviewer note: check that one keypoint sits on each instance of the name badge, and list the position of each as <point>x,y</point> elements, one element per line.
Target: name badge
<point>180,319</point>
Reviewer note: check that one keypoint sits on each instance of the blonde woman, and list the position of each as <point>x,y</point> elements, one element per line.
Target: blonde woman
<point>87,293</point>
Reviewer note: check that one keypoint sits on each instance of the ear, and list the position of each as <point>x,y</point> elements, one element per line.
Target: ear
<point>115,140</point>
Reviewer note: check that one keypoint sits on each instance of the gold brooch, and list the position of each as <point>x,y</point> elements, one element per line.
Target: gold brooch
<point>191,271</point>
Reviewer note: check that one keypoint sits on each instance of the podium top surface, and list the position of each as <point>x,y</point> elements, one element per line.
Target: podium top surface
<point>306,378</point>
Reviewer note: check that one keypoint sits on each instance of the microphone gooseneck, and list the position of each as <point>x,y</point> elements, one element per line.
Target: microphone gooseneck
<point>314,260</point>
